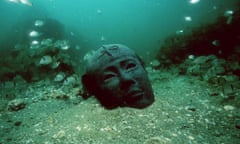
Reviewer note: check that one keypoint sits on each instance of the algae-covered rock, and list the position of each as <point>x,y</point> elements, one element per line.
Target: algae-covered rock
<point>16,105</point>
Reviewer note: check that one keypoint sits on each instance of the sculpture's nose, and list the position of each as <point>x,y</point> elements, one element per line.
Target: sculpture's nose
<point>127,80</point>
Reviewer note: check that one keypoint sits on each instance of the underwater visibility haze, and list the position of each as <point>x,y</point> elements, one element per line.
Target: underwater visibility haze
<point>140,24</point>
<point>189,59</point>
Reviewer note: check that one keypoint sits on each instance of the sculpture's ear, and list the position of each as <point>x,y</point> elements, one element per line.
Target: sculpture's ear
<point>89,84</point>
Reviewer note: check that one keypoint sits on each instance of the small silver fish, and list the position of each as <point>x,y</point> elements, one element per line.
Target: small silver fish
<point>34,34</point>
<point>216,43</point>
<point>24,2</point>
<point>103,38</point>
<point>45,60</point>
<point>39,23</point>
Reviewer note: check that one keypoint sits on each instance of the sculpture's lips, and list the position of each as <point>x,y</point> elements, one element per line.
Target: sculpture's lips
<point>134,95</point>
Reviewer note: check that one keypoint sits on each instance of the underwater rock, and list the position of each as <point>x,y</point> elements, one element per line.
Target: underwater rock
<point>206,67</point>
<point>33,53</point>
<point>219,70</point>
<point>212,80</point>
<point>194,70</point>
<point>62,97</point>
<point>19,81</point>
<point>214,92</point>
<point>228,91</point>
<point>219,80</point>
<point>204,59</point>
<point>229,108</point>
<point>8,84</point>
<point>16,105</point>
<point>59,135</point>
<point>223,85</point>
<point>231,78</point>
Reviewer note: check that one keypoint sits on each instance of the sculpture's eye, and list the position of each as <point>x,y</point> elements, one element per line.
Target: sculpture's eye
<point>108,77</point>
<point>131,66</point>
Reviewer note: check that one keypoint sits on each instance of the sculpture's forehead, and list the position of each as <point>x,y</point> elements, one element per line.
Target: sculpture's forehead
<point>116,63</point>
<point>120,62</point>
<point>112,51</point>
<point>107,54</point>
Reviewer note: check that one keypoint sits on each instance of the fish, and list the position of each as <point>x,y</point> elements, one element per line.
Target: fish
<point>99,11</point>
<point>34,42</point>
<point>216,43</point>
<point>228,13</point>
<point>34,33</point>
<point>45,60</point>
<point>194,1</point>
<point>77,47</point>
<point>55,64</point>
<point>39,23</point>
<point>103,38</point>
<point>179,31</point>
<point>24,2</point>
<point>188,18</point>
<point>59,77</point>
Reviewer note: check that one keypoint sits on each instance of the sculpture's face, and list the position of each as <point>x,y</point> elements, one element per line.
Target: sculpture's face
<point>116,77</point>
<point>124,82</point>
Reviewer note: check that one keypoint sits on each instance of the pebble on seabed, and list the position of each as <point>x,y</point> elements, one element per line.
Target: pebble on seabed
<point>16,105</point>
<point>229,107</point>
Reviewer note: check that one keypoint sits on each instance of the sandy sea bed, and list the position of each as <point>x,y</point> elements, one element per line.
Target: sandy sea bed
<point>184,112</point>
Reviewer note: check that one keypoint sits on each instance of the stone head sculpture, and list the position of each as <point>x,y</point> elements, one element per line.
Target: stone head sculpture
<point>116,76</point>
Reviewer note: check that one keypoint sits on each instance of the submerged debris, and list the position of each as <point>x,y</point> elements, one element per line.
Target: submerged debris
<point>16,105</point>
